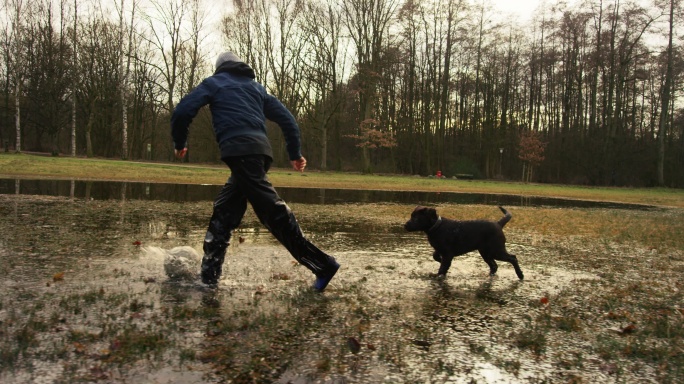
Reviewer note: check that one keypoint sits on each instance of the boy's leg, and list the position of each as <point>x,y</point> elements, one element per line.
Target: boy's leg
<point>229,208</point>
<point>284,226</point>
<point>249,173</point>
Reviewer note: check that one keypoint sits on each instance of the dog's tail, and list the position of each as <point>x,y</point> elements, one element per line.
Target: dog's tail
<point>507,217</point>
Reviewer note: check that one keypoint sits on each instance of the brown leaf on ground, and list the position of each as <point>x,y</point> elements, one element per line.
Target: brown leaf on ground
<point>354,345</point>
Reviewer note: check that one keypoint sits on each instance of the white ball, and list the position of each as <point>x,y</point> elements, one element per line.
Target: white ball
<point>182,263</point>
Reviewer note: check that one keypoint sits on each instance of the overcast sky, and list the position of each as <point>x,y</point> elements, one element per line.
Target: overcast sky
<point>524,9</point>
<point>521,8</point>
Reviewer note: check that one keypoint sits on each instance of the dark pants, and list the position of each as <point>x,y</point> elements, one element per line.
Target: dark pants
<point>248,182</point>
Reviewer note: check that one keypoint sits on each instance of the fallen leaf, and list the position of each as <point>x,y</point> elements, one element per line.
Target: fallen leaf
<point>354,345</point>
<point>628,329</point>
<point>58,276</point>
<point>98,373</point>
<point>137,243</point>
<point>280,276</point>
<point>79,348</point>
<point>423,344</point>
<point>544,300</point>
<point>609,368</point>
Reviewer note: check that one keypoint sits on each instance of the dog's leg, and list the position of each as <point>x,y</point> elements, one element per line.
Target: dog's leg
<point>514,262</point>
<point>437,256</point>
<point>505,256</point>
<point>445,264</point>
<point>487,257</point>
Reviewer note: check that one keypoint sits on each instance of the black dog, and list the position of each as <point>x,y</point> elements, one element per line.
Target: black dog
<point>451,238</point>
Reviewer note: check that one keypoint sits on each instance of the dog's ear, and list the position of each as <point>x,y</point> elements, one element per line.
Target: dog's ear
<point>431,212</point>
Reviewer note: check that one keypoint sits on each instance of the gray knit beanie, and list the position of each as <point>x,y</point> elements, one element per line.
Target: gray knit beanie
<point>227,56</point>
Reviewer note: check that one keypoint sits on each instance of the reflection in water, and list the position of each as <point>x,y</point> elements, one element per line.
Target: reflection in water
<point>106,190</point>
<point>122,215</point>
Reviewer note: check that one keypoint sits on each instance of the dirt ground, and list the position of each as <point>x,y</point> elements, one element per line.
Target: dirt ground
<point>85,300</point>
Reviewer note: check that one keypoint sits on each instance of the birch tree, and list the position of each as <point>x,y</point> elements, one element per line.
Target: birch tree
<point>124,70</point>
<point>17,11</point>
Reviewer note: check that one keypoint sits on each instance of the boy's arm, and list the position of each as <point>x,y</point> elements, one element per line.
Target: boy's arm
<point>185,112</point>
<point>275,111</point>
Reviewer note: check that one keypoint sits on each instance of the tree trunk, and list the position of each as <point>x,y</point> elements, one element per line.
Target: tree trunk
<point>74,82</point>
<point>665,103</point>
<point>124,74</point>
<point>598,62</point>
<point>89,145</point>
<point>324,147</point>
<point>17,115</point>
<point>89,128</point>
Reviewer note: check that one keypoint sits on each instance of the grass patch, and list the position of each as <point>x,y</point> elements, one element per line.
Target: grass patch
<point>134,344</point>
<point>532,338</point>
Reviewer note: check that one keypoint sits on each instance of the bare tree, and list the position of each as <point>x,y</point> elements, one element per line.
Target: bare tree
<point>194,54</point>
<point>324,67</point>
<point>166,22</point>
<point>74,79</point>
<point>665,97</point>
<point>246,31</point>
<point>99,63</point>
<point>453,18</point>
<point>48,82</point>
<point>368,24</point>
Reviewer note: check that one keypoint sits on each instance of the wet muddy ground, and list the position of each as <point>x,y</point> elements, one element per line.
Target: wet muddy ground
<point>85,298</point>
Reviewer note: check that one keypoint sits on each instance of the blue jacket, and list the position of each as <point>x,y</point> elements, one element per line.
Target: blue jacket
<point>239,108</point>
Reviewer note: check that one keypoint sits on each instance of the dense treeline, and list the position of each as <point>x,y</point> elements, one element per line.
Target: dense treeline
<point>588,95</point>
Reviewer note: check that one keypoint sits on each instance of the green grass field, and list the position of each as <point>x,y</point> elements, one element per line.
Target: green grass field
<point>39,167</point>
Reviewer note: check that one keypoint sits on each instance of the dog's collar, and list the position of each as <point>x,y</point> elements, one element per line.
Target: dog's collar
<point>436,224</point>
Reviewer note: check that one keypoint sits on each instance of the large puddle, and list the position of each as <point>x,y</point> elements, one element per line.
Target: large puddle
<point>85,297</point>
<point>105,190</point>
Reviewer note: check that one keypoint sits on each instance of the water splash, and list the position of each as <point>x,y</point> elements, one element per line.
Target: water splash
<point>180,263</point>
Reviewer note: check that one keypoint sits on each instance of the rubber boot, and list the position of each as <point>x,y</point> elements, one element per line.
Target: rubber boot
<point>216,242</point>
<point>283,225</point>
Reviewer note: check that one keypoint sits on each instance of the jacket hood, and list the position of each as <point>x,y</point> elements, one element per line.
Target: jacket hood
<point>236,68</point>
